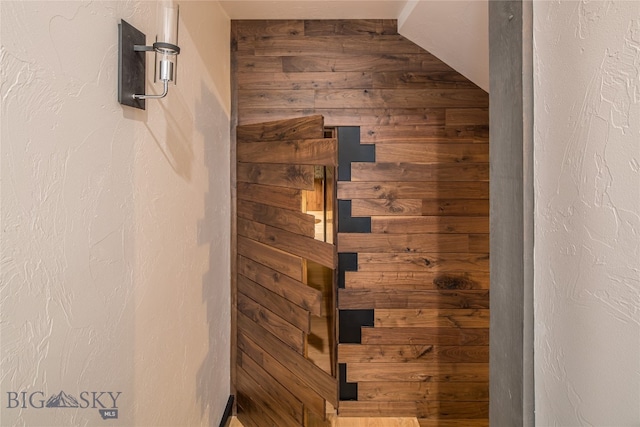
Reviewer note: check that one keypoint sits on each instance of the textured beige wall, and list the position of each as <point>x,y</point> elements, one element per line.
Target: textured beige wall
<point>455,31</point>
<point>114,258</point>
<point>587,195</point>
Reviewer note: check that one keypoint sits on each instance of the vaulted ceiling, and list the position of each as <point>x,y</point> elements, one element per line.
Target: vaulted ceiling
<point>456,31</point>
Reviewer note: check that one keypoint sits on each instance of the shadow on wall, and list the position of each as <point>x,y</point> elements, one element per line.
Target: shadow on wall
<point>177,148</point>
<point>213,230</point>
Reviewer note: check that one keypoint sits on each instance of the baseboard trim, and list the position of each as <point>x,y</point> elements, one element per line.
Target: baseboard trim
<point>228,411</point>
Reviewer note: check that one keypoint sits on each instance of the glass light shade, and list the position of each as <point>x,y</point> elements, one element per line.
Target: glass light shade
<point>166,45</point>
<point>168,14</point>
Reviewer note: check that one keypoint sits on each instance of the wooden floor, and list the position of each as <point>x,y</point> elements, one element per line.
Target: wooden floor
<point>359,422</point>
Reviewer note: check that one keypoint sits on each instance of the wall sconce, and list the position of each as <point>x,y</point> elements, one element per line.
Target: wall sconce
<point>132,64</point>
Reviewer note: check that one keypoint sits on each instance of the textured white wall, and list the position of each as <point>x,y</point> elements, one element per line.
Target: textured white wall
<point>587,247</point>
<point>115,222</point>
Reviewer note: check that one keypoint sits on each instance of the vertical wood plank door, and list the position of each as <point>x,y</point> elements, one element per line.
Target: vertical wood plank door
<point>277,167</point>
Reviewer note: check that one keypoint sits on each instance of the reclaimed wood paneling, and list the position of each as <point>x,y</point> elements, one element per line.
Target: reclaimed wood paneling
<point>438,318</point>
<point>412,353</point>
<point>291,289</point>
<point>305,152</point>
<point>297,316</point>
<point>268,405</point>
<point>280,197</point>
<point>311,127</point>
<point>401,278</point>
<point>289,176</point>
<point>377,243</point>
<point>439,336</point>
<point>275,242</point>
<point>432,300</point>
<point>424,268</point>
<point>388,391</point>
<point>283,375</point>
<point>285,263</point>
<point>421,372</point>
<point>279,327</point>
<point>296,244</point>
<point>432,153</point>
<point>437,261</point>
<point>314,377</point>
<point>291,221</point>
<point>412,190</point>
<point>349,27</point>
<point>419,171</point>
<point>429,224</point>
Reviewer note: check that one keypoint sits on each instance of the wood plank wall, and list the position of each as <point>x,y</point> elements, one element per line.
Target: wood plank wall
<point>424,267</point>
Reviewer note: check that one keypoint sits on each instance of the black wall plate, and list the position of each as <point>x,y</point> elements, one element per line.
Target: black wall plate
<point>132,65</point>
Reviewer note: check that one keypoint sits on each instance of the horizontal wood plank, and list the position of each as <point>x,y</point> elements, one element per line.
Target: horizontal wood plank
<point>412,299</point>
<point>294,222</point>
<point>412,353</point>
<point>349,190</point>
<point>363,62</point>
<point>306,247</point>
<point>379,243</point>
<point>423,372</point>
<point>435,336</point>
<point>348,116</point>
<point>434,261</point>
<point>290,176</point>
<point>402,279</point>
<point>370,207</point>
<point>268,27</point>
<point>348,27</point>
<point>394,391</point>
<point>333,46</point>
<point>258,64</point>
<point>281,197</point>
<point>478,243</point>
<point>428,224</point>
<point>297,152</point>
<point>432,318</point>
<point>392,98</point>
<point>467,116</point>
<point>293,290</point>
<point>432,153</point>
<point>419,134</point>
<point>420,80</point>
<point>278,260</point>
<point>297,81</point>
<point>280,98</point>
<point>435,172</point>
<point>309,127</point>
<point>436,410</point>
<point>460,207</point>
